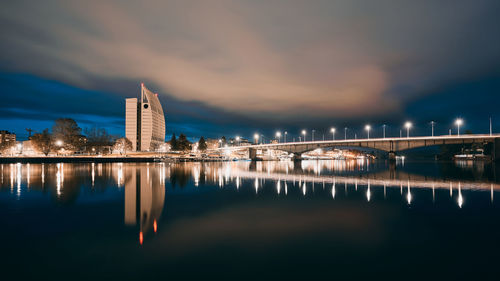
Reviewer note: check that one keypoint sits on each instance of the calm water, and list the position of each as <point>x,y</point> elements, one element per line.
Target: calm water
<point>243,220</point>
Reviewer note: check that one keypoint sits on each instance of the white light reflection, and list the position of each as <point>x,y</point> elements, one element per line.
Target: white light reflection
<point>460,198</point>
<point>408,196</point>
<point>286,188</point>
<point>93,173</point>
<point>278,186</point>
<point>491,192</point>
<point>256,185</point>
<point>333,190</point>
<point>368,192</point>
<point>304,189</point>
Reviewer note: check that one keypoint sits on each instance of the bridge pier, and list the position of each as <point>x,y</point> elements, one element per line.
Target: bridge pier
<point>496,150</point>
<point>252,154</point>
<point>392,156</point>
<point>297,157</point>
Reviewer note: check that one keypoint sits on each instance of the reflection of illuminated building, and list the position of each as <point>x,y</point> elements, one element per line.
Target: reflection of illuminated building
<point>144,196</point>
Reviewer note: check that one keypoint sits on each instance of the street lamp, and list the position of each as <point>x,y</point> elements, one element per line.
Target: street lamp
<point>368,128</point>
<point>256,138</point>
<point>408,126</point>
<point>278,135</point>
<point>459,123</point>
<point>332,130</point>
<point>313,134</point>
<point>432,127</point>
<point>304,133</point>
<point>285,136</point>
<point>237,140</point>
<point>345,133</point>
<point>383,126</point>
<point>59,143</point>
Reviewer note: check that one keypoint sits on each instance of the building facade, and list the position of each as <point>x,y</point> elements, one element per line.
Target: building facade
<point>7,138</point>
<point>145,121</point>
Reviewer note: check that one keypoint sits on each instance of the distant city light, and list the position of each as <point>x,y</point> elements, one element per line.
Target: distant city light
<point>368,128</point>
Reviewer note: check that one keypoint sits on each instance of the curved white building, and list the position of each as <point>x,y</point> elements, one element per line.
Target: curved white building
<point>145,121</point>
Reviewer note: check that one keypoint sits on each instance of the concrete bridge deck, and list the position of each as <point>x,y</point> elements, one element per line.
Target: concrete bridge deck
<point>390,145</point>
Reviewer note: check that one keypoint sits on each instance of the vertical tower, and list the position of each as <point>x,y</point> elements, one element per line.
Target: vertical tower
<point>145,121</point>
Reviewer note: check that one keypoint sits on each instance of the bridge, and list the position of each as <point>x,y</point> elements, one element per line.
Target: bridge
<point>389,145</point>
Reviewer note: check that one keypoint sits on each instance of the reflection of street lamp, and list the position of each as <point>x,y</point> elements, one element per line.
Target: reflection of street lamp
<point>368,128</point>
<point>256,138</point>
<point>332,130</point>
<point>304,133</point>
<point>408,126</point>
<point>459,122</point>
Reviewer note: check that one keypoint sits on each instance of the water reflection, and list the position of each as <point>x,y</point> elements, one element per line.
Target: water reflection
<point>145,184</point>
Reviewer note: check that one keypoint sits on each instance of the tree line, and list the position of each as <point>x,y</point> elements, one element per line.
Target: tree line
<point>67,135</point>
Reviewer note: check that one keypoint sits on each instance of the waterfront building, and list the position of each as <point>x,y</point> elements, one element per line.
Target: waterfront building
<point>7,138</point>
<point>144,121</point>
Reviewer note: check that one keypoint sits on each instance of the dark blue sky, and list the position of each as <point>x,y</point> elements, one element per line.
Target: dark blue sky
<point>239,67</point>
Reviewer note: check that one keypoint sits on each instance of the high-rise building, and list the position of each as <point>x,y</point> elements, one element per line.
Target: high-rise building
<point>144,121</point>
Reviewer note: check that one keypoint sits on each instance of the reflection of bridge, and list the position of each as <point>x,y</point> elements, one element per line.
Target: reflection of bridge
<point>390,145</point>
<point>420,182</point>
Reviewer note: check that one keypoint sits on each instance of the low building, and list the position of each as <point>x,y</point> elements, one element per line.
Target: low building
<point>7,137</point>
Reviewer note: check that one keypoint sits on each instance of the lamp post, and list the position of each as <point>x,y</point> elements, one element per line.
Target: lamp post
<point>432,128</point>
<point>278,135</point>
<point>345,133</point>
<point>408,126</point>
<point>238,140</point>
<point>285,136</point>
<point>304,133</point>
<point>368,128</point>
<point>459,122</point>
<point>313,134</point>
<point>383,126</point>
<point>256,138</point>
<point>332,130</point>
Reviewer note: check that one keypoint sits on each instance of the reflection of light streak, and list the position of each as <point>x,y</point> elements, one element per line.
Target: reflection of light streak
<point>43,174</point>
<point>28,175</point>
<point>286,188</point>
<point>491,193</point>
<point>12,177</point>
<point>256,185</point>
<point>304,188</point>
<point>141,238</point>
<point>237,183</point>
<point>155,226</point>
<point>356,185</point>
<point>18,179</point>
<point>368,193</point>
<point>333,191</point>
<point>385,190</point>
<point>120,174</point>
<point>460,198</point>
<point>278,187</point>
<point>408,196</point>
<point>58,180</point>
<point>433,193</point>
<point>451,190</point>
<point>93,173</point>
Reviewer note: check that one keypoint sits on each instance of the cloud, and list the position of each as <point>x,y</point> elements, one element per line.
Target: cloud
<point>259,60</point>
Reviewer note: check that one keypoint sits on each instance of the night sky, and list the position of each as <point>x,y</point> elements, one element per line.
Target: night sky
<point>239,67</point>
